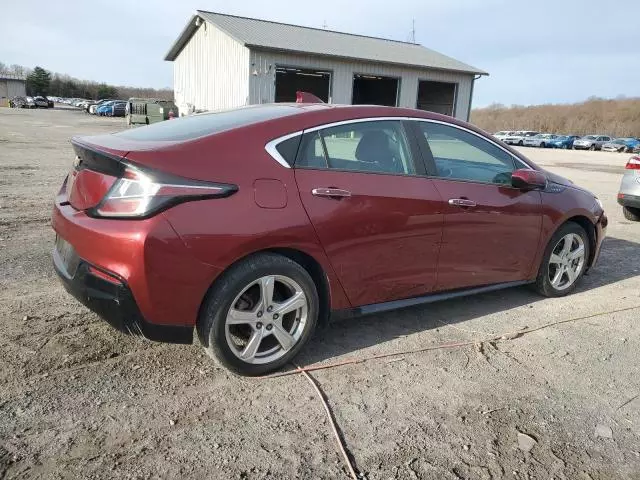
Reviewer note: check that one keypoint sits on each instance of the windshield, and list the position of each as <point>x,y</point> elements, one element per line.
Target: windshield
<point>589,137</point>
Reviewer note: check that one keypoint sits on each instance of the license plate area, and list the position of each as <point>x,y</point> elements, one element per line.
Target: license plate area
<point>67,256</point>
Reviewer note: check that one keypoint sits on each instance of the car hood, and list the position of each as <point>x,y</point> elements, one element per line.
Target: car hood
<point>555,178</point>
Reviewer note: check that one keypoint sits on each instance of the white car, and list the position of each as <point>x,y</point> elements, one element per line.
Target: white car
<point>518,137</point>
<point>503,134</point>
<point>540,140</point>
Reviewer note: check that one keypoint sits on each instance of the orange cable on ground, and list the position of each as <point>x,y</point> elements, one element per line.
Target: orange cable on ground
<point>332,421</point>
<point>508,335</point>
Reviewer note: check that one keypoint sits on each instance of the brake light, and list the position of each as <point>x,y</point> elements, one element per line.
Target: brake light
<point>140,194</point>
<point>633,163</point>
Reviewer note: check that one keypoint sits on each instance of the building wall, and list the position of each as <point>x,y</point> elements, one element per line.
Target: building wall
<point>211,72</point>
<point>262,85</point>
<point>11,88</point>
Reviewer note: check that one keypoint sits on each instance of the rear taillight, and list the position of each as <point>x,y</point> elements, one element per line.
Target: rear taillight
<point>633,163</point>
<point>141,193</point>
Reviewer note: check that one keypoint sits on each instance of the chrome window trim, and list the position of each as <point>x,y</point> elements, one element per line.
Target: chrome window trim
<point>272,149</point>
<point>271,146</point>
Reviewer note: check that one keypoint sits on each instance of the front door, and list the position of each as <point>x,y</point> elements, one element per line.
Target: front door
<point>491,230</point>
<point>378,220</point>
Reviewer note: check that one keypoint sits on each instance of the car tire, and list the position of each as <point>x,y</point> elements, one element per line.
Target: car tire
<point>631,213</point>
<point>592,148</point>
<point>546,283</point>
<point>543,145</point>
<point>521,143</point>
<point>234,314</point>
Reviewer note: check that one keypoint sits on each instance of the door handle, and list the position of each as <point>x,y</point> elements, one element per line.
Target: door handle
<point>331,192</point>
<point>462,202</point>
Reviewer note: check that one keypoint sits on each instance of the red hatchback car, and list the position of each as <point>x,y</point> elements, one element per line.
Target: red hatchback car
<point>253,225</point>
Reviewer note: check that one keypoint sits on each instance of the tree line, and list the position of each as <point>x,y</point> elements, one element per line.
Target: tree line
<point>618,117</point>
<point>40,81</point>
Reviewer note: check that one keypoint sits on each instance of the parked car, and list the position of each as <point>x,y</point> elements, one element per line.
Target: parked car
<point>518,137</point>
<point>622,145</point>
<point>50,102</point>
<point>615,145</point>
<point>540,140</point>
<point>591,142</point>
<point>252,225</point>
<point>92,108</point>
<point>563,141</point>
<point>629,194</point>
<point>503,134</point>
<point>18,102</point>
<point>118,109</point>
<point>105,108</point>
<point>41,102</point>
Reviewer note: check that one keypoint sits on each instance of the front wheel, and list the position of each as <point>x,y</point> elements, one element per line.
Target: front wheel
<point>631,213</point>
<point>564,262</point>
<point>592,148</point>
<point>521,143</point>
<point>259,315</point>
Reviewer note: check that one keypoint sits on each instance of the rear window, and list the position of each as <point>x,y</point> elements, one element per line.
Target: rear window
<point>194,126</point>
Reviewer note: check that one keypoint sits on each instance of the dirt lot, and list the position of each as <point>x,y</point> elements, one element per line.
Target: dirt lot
<point>78,400</point>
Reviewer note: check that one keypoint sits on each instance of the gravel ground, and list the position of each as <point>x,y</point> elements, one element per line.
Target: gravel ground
<point>79,400</point>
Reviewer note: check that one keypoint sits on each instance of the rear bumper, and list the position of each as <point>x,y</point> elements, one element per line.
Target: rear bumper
<point>626,200</point>
<point>114,303</point>
<point>159,276</point>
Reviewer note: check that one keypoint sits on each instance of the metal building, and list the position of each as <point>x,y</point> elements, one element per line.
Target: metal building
<point>224,61</point>
<point>11,86</point>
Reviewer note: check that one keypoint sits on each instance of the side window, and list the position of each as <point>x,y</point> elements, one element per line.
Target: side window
<point>461,155</point>
<point>379,147</point>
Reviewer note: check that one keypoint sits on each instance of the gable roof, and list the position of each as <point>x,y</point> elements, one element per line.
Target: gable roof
<point>263,34</point>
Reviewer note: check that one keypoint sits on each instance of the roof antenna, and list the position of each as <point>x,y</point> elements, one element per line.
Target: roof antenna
<point>324,24</point>
<point>413,30</point>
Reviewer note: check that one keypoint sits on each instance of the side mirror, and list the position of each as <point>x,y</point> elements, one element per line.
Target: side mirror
<point>525,179</point>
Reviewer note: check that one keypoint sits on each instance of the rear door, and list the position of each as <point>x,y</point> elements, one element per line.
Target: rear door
<point>377,216</point>
<point>491,230</point>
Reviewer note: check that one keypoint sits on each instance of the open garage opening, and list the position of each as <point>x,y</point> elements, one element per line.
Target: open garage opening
<point>439,97</point>
<point>290,80</point>
<point>375,90</point>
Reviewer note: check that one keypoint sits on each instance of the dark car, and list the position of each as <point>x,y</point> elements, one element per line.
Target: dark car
<point>41,102</point>
<point>118,109</point>
<point>253,225</point>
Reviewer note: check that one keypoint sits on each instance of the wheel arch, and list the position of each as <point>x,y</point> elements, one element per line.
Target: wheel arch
<point>587,224</point>
<point>307,261</point>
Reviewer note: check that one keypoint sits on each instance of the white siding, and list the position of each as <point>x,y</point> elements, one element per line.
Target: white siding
<point>211,72</point>
<point>262,86</point>
<point>12,88</point>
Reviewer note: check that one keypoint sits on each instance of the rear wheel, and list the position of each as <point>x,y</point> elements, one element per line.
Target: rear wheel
<point>521,143</point>
<point>631,213</point>
<point>592,147</point>
<point>564,262</point>
<point>543,145</point>
<point>260,315</point>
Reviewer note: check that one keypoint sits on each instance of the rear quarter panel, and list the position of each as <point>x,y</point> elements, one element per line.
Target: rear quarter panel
<point>220,232</point>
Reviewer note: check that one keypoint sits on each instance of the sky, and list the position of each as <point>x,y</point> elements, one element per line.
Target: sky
<point>543,51</point>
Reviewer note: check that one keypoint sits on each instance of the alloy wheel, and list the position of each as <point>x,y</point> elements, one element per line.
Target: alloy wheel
<point>567,261</point>
<point>267,319</point>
